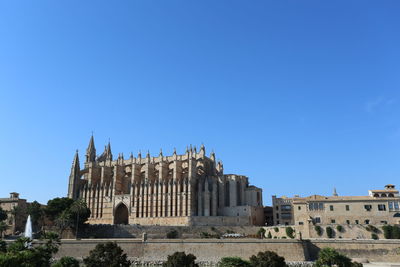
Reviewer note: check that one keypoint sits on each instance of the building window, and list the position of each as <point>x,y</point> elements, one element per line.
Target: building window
<point>277,222</point>
<point>348,221</point>
<point>299,208</point>
<point>381,207</point>
<point>368,207</point>
<point>277,215</point>
<point>390,195</point>
<point>383,222</point>
<point>316,206</point>
<point>333,221</point>
<point>317,220</point>
<point>357,222</point>
<point>366,221</point>
<point>331,207</point>
<point>286,223</point>
<point>301,223</point>
<point>286,216</point>
<point>376,195</point>
<point>396,205</point>
<point>347,207</point>
<point>286,208</point>
<point>277,207</point>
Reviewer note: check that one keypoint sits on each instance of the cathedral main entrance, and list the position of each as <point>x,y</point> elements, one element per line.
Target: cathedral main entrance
<point>121,214</point>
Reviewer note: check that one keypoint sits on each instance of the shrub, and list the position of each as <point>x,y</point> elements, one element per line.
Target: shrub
<point>267,258</point>
<point>371,228</point>
<point>329,232</point>
<point>3,246</point>
<point>107,254</point>
<point>172,234</point>
<point>289,232</point>
<point>356,264</point>
<point>233,262</point>
<point>180,259</point>
<point>318,229</point>
<point>339,228</point>
<point>391,232</point>
<point>276,229</point>
<point>330,257</point>
<point>261,233</point>
<point>269,234</point>
<point>374,236</point>
<point>66,262</point>
<point>387,231</point>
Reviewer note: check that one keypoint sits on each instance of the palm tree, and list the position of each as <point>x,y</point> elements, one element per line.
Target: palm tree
<point>78,207</point>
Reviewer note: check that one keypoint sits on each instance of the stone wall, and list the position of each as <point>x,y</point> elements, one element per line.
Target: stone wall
<point>212,250</point>
<point>206,250</point>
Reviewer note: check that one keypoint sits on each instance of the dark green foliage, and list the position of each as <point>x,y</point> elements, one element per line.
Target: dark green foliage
<point>329,232</point>
<point>180,259</point>
<point>3,228</point>
<point>3,215</point>
<point>3,246</point>
<point>330,257</point>
<point>372,228</point>
<point>374,236</point>
<point>318,229</point>
<point>36,211</point>
<point>268,259</point>
<point>66,262</point>
<point>276,229</point>
<point>391,232</point>
<point>208,235</point>
<point>261,232</point>
<point>339,228</point>
<point>18,254</point>
<point>269,235</point>
<point>172,234</point>
<point>107,255</point>
<point>57,206</point>
<point>356,264</point>
<point>233,262</point>
<point>289,232</point>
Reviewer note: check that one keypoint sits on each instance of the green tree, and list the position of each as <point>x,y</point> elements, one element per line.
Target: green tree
<point>3,228</point>
<point>269,234</point>
<point>267,258</point>
<point>261,233</point>
<point>19,254</point>
<point>387,231</point>
<point>107,255</point>
<point>318,229</point>
<point>180,259</point>
<point>3,215</point>
<point>329,232</point>
<point>374,236</point>
<point>57,206</point>
<point>339,228</point>
<point>233,262</point>
<point>36,211</point>
<point>289,232</point>
<point>172,234</point>
<point>78,214</point>
<point>3,246</point>
<point>330,257</point>
<point>395,232</point>
<point>66,262</point>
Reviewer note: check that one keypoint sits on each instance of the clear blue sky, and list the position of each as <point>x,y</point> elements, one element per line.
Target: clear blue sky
<point>301,96</point>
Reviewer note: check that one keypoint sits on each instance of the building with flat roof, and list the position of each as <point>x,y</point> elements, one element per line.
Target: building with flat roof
<point>378,207</point>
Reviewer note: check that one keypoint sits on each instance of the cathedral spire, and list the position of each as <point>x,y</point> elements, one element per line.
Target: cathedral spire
<point>108,151</point>
<point>335,194</point>
<point>74,177</point>
<point>91,151</point>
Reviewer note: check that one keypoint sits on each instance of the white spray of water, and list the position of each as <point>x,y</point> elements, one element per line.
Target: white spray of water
<point>28,228</point>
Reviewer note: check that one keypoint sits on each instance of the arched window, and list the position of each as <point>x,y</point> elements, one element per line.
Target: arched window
<point>390,195</point>
<point>383,195</point>
<point>376,195</point>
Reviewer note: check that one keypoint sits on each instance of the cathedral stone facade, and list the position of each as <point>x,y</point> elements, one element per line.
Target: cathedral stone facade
<point>188,189</point>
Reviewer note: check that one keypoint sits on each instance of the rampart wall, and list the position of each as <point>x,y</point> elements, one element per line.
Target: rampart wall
<point>212,250</point>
